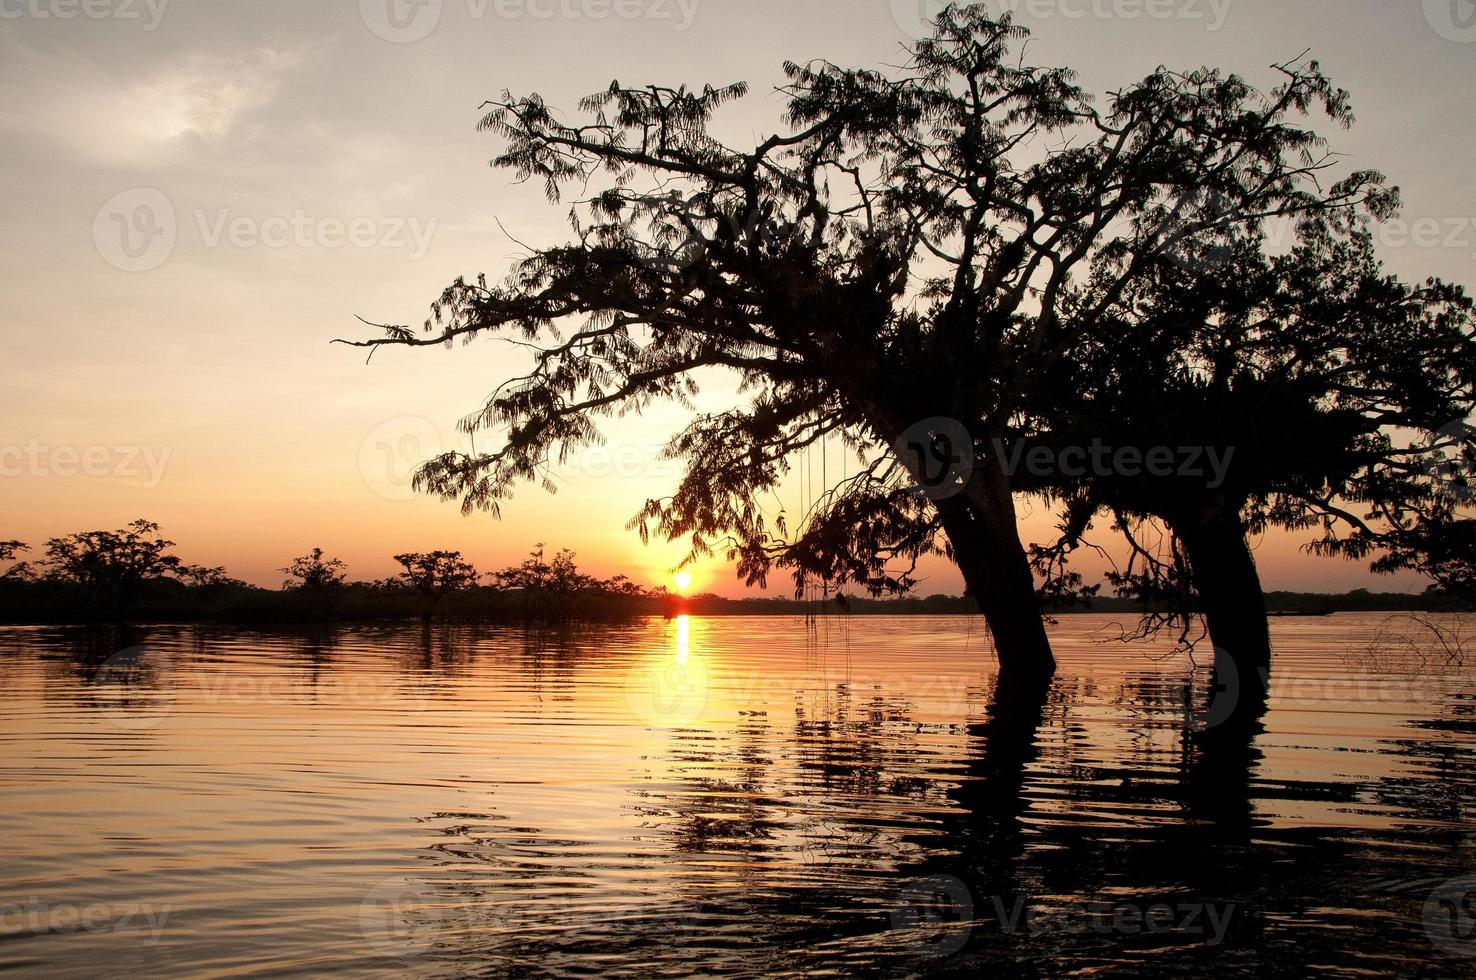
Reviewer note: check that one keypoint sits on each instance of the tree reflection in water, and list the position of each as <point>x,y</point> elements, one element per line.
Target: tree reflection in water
<point>836,818</point>
<point>838,839</point>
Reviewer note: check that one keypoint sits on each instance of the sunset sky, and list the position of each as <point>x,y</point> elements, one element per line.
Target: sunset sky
<point>306,163</point>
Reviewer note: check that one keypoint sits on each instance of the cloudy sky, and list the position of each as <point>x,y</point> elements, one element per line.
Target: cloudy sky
<point>199,195</point>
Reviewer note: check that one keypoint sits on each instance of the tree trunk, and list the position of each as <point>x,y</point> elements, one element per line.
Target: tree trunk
<point>1224,574</point>
<point>981,526</point>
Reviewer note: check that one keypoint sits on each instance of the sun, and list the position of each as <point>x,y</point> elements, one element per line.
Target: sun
<point>682,580</point>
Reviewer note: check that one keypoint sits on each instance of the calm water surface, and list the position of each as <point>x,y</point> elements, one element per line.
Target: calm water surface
<point>726,797</point>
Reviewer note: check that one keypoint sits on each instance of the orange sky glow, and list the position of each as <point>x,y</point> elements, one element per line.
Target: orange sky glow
<point>310,171</point>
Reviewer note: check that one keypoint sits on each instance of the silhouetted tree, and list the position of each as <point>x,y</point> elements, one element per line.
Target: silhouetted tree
<point>110,566</point>
<point>909,270</point>
<point>1306,371</point>
<point>435,574</point>
<point>9,550</point>
<point>1434,540</point>
<point>314,572</point>
<point>21,571</point>
<point>201,577</point>
<point>537,573</point>
<point>555,589</point>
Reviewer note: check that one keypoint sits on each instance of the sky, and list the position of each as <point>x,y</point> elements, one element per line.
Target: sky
<point>200,195</point>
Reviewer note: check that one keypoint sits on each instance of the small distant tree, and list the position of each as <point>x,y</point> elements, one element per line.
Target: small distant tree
<point>315,572</point>
<point>20,570</point>
<point>112,565</point>
<point>435,574</point>
<point>8,552</point>
<point>548,586</point>
<point>539,574</point>
<point>200,577</point>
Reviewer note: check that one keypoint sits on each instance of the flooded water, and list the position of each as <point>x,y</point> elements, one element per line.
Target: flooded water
<point>735,797</point>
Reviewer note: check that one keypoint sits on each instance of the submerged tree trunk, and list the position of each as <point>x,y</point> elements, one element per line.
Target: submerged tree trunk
<point>1224,574</point>
<point>981,526</point>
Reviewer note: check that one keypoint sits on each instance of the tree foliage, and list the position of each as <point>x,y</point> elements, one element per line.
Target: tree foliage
<point>112,565</point>
<point>945,241</point>
<point>1330,384</point>
<point>436,573</point>
<point>315,572</point>
<point>21,570</point>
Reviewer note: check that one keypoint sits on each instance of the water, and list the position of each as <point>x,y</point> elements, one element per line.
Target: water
<point>734,797</point>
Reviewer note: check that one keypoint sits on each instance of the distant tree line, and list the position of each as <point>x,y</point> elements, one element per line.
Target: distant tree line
<point>132,574</point>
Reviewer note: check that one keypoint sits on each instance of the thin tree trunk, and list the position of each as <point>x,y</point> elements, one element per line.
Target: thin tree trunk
<point>981,526</point>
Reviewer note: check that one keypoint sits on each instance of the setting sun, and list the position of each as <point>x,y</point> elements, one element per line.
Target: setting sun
<point>682,580</point>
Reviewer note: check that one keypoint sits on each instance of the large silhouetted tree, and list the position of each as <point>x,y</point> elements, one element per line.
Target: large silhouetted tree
<point>909,269</point>
<point>1329,386</point>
